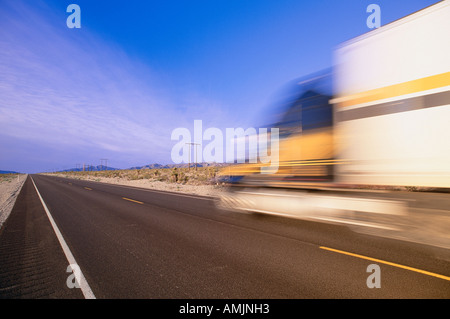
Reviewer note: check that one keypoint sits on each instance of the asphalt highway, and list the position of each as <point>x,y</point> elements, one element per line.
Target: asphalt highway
<point>138,243</point>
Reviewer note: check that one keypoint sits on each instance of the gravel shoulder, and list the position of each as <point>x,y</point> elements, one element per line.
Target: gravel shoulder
<point>10,186</point>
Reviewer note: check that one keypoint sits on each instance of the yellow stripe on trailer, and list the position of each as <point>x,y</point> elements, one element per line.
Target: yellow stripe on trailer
<point>410,87</point>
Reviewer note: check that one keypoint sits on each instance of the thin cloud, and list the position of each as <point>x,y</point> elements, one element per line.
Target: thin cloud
<point>74,91</point>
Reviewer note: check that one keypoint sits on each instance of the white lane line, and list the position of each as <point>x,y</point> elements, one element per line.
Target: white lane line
<point>84,286</point>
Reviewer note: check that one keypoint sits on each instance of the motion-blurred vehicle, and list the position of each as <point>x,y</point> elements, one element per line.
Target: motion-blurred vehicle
<point>378,121</point>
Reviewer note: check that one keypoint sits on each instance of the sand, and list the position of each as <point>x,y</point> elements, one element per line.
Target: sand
<point>10,186</point>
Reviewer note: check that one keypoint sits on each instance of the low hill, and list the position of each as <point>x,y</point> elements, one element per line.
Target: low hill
<point>8,172</point>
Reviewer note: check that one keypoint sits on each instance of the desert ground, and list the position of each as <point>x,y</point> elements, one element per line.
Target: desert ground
<point>201,181</point>
<point>10,185</point>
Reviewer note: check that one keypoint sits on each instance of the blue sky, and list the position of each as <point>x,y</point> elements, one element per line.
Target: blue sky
<point>136,70</point>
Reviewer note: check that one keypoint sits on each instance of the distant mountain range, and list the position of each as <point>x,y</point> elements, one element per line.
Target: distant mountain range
<point>8,172</point>
<point>156,166</point>
<point>90,168</point>
<point>149,166</point>
<point>93,168</point>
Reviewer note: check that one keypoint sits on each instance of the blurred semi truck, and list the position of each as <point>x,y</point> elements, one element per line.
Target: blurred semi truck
<point>378,120</point>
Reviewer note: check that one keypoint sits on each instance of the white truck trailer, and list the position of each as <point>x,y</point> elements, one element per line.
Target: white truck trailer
<point>392,103</point>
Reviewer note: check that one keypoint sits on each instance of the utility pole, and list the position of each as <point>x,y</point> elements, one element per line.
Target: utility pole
<point>104,167</point>
<point>195,144</point>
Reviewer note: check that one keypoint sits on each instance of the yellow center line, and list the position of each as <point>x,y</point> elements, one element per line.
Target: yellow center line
<point>132,200</point>
<point>88,188</point>
<point>387,263</point>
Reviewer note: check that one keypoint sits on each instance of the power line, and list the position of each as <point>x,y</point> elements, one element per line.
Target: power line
<point>195,144</point>
<point>104,167</point>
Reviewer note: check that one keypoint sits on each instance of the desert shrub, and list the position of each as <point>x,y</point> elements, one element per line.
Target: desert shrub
<point>175,175</point>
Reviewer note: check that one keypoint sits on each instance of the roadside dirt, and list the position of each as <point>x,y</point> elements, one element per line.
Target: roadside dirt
<point>10,186</point>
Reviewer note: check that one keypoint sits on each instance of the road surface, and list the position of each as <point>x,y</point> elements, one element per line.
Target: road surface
<point>139,243</point>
